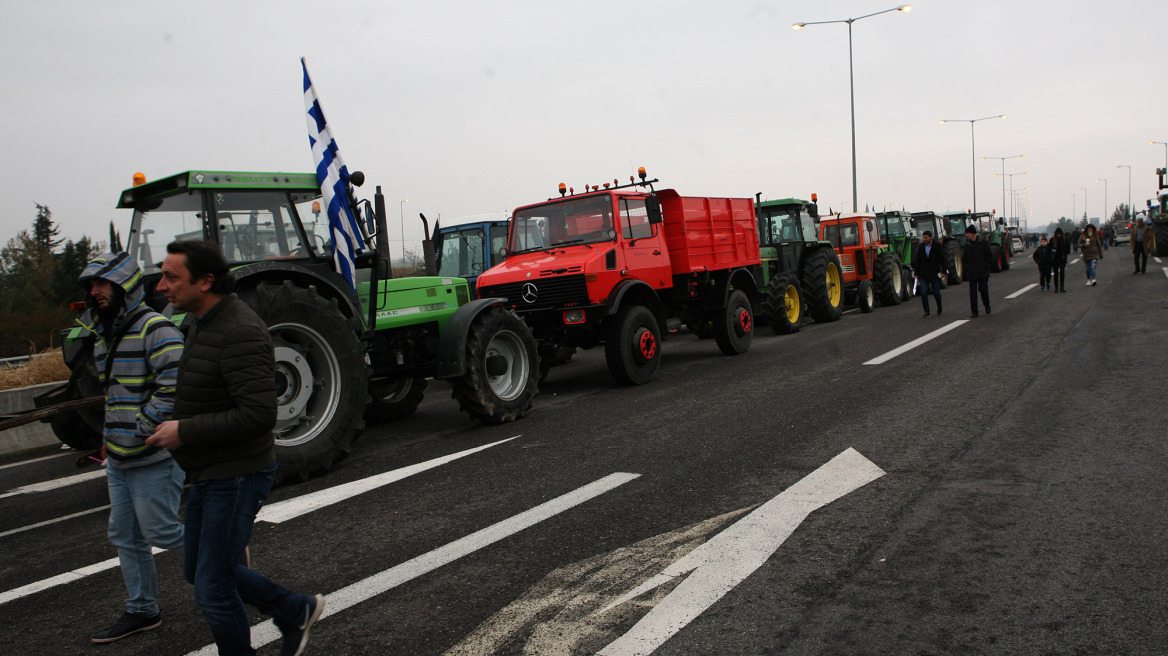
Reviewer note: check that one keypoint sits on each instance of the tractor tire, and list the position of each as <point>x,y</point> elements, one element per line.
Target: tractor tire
<point>321,374</point>
<point>1007,253</point>
<point>81,430</point>
<point>394,399</point>
<point>866,296</point>
<point>502,368</point>
<point>784,304</point>
<point>632,347</point>
<point>906,284</point>
<point>1160,231</point>
<point>822,283</point>
<point>995,258</point>
<point>887,278</point>
<point>952,253</point>
<point>734,330</point>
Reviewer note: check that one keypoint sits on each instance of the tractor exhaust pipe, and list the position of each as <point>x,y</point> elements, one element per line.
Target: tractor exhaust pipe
<point>428,247</point>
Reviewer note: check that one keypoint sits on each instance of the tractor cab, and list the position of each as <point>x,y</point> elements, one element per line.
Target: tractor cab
<point>471,247</point>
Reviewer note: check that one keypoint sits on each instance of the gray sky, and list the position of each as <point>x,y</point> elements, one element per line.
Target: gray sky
<point>470,107</point>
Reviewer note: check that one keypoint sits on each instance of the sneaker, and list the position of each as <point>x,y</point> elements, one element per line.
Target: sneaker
<point>128,625</point>
<point>1088,283</point>
<point>296,640</point>
<point>1093,282</point>
<point>927,315</point>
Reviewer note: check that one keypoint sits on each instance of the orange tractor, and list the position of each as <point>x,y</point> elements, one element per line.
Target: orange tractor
<point>871,270</point>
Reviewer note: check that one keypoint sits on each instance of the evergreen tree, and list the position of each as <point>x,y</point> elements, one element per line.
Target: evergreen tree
<point>44,230</point>
<point>115,239</point>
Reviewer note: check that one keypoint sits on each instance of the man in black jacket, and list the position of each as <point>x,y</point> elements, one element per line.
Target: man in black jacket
<point>928,266</point>
<point>221,435</point>
<point>976,258</point>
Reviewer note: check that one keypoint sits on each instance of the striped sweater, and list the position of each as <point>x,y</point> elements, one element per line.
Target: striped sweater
<point>140,378</point>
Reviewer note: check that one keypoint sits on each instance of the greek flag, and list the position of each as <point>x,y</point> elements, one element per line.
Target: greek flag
<point>333,178</point>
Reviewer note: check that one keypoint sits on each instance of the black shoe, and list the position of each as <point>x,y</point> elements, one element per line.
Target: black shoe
<point>297,639</point>
<point>128,625</point>
<point>987,309</point>
<point>927,315</point>
<point>973,316</point>
<point>938,311</point>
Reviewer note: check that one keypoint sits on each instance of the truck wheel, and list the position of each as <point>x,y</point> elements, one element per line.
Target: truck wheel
<point>394,399</point>
<point>734,330</point>
<point>995,258</point>
<point>822,284</point>
<point>81,430</point>
<point>321,377</point>
<point>866,296</point>
<point>887,278</point>
<point>784,304</point>
<point>952,254</point>
<point>502,368</point>
<point>632,346</point>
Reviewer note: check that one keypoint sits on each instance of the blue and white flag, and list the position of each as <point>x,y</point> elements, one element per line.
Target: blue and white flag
<point>333,178</point>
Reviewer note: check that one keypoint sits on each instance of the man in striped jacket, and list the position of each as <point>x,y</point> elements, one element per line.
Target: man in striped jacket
<point>136,351</point>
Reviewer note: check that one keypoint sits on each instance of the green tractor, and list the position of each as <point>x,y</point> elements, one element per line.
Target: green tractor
<point>899,234</point>
<point>950,233</point>
<point>800,273</point>
<point>343,355</point>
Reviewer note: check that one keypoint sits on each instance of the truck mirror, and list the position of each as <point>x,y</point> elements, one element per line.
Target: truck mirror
<point>653,208</point>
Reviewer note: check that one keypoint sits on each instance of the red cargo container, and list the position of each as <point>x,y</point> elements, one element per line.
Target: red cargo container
<point>706,234</point>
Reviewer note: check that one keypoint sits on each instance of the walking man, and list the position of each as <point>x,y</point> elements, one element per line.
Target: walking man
<point>1143,242</point>
<point>1060,250</point>
<point>136,352</point>
<point>221,434</point>
<point>928,267</point>
<point>976,258</point>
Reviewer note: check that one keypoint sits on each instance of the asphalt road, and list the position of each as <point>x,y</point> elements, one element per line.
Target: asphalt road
<point>998,489</point>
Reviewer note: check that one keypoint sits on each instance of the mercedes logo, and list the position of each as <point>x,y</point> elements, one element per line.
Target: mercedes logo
<point>530,293</point>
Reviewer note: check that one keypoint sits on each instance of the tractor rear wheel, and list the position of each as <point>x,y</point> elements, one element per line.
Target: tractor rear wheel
<point>866,296</point>
<point>734,330</point>
<point>887,278</point>
<point>1160,231</point>
<point>632,347</point>
<point>784,304</point>
<point>394,399</point>
<point>952,252</point>
<point>995,258</point>
<point>81,430</point>
<point>502,368</point>
<point>822,284</point>
<point>321,377</point>
<point>1007,251</point>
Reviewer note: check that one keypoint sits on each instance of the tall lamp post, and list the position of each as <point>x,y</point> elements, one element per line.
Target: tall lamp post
<point>973,142</point>
<point>1106,219</point>
<point>1165,145</point>
<point>402,218</point>
<point>1011,210</point>
<point>1074,210</point>
<point>1086,212</point>
<point>852,81</point>
<point>1130,212</point>
<point>1003,174</point>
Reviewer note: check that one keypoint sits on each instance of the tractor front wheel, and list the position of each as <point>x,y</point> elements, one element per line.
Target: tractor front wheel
<point>632,346</point>
<point>734,330</point>
<point>502,368</point>
<point>394,399</point>
<point>784,304</point>
<point>888,278</point>
<point>866,296</point>
<point>822,284</point>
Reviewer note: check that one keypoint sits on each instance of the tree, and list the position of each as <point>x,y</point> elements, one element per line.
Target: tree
<point>44,230</point>
<point>115,239</point>
<point>1122,214</point>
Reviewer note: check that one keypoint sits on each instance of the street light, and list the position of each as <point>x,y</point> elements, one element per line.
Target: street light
<point>1165,145</point>
<point>1003,174</point>
<point>1105,219</point>
<point>402,217</point>
<point>1086,213</point>
<point>1011,176</point>
<point>852,81</point>
<point>1130,214</point>
<point>973,153</point>
<point>1074,211</point>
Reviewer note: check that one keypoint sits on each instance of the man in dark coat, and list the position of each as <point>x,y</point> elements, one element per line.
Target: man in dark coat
<point>928,266</point>
<point>221,435</point>
<point>1043,259</point>
<point>976,259</point>
<point>1060,250</point>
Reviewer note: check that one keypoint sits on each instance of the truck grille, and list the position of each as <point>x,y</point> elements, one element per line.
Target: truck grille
<point>541,293</point>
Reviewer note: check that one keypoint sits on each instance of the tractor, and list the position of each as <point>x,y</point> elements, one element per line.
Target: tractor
<point>870,269</point>
<point>948,232</point>
<point>343,355</point>
<point>899,233</point>
<point>800,273</point>
<point>469,248</point>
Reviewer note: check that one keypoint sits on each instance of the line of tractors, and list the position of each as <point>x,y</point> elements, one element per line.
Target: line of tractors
<point>623,267</point>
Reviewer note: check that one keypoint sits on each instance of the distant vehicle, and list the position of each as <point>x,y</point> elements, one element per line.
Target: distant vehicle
<point>1016,244</point>
<point>1122,234</point>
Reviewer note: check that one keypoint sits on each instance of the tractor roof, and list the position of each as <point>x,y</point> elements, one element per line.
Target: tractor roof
<point>181,182</point>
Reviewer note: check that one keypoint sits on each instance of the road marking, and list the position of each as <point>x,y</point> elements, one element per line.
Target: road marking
<point>916,342</point>
<point>52,521</point>
<point>1158,260</point>
<point>365,589</point>
<point>54,484</point>
<point>1022,291</point>
<point>61,579</point>
<point>1165,269</point>
<point>285,510</point>
<point>26,462</point>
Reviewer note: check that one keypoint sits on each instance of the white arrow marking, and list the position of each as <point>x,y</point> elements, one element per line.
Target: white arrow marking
<point>719,565</point>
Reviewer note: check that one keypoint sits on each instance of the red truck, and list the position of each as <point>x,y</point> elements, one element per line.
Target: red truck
<point>626,265</point>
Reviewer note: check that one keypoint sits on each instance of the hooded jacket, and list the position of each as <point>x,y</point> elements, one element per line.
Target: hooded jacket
<point>140,378</point>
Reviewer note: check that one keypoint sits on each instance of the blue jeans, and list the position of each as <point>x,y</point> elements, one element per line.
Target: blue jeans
<point>220,514</point>
<point>930,286</point>
<point>144,514</point>
<point>1091,268</point>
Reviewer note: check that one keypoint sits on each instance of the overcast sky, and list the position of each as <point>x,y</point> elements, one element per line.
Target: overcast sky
<point>469,107</point>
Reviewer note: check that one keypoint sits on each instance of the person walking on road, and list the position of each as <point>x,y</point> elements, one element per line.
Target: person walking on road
<point>1092,249</point>
<point>1143,243</point>
<point>1042,258</point>
<point>1060,250</point>
<point>976,259</point>
<point>221,434</point>
<point>136,352</point>
<point>1075,239</point>
<point>928,267</point>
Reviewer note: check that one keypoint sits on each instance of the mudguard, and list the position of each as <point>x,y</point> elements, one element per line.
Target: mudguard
<point>452,343</point>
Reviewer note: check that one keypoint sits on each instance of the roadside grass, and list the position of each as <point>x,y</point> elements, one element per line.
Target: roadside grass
<point>45,367</point>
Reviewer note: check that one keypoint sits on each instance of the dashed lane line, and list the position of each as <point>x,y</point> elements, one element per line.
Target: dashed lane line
<point>916,342</point>
<point>29,462</point>
<point>54,484</point>
<point>1022,291</point>
<point>53,521</point>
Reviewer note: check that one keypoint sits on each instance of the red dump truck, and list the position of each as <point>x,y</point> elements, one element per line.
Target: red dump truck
<point>625,266</point>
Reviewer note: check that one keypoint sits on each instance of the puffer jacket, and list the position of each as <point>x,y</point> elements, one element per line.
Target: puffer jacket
<point>1091,246</point>
<point>140,378</point>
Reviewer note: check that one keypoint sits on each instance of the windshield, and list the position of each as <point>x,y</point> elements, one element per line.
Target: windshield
<point>462,253</point>
<point>779,225</point>
<point>892,227</point>
<point>573,221</point>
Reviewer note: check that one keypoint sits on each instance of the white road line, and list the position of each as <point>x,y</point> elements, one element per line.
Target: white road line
<point>1073,261</point>
<point>26,462</point>
<point>61,579</point>
<point>1022,291</point>
<point>52,521</point>
<point>1165,270</point>
<point>365,589</point>
<point>285,510</point>
<point>54,484</point>
<point>720,564</point>
<point>1158,260</point>
<point>916,342</point>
